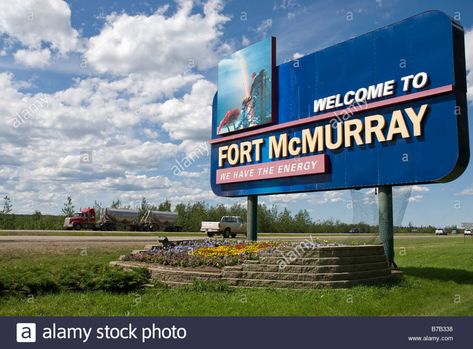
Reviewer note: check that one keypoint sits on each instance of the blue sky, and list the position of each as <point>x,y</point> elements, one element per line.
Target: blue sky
<point>118,93</point>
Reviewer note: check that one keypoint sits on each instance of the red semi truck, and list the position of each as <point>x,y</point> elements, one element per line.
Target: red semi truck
<point>85,219</point>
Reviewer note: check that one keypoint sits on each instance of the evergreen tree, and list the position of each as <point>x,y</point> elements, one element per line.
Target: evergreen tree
<point>144,206</point>
<point>68,209</point>
<point>7,205</point>
<point>98,210</point>
<point>116,204</point>
<point>165,206</point>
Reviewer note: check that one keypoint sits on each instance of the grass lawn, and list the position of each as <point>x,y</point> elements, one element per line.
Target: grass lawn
<point>438,280</point>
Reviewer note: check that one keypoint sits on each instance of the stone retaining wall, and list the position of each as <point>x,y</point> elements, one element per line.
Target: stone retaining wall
<point>320,267</point>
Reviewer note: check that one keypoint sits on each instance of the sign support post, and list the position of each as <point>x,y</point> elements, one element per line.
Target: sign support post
<point>252,213</point>
<point>386,228</point>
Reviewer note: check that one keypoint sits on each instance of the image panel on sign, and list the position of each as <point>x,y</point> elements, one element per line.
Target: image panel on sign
<point>244,88</point>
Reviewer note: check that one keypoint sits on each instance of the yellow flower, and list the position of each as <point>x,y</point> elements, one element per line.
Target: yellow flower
<point>232,250</point>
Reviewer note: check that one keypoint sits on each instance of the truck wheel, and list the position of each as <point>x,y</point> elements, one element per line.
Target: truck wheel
<point>77,227</point>
<point>226,233</point>
<point>210,234</point>
<point>233,235</point>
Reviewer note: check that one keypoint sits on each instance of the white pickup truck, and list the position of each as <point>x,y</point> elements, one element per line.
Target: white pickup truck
<point>228,226</point>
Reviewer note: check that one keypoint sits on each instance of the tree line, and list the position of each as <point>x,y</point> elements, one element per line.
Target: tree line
<point>271,219</point>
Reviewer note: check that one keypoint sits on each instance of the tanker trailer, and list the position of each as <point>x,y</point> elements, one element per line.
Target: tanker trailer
<point>112,218</point>
<point>159,220</point>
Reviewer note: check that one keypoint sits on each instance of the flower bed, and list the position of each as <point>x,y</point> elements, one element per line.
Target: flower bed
<point>208,252</point>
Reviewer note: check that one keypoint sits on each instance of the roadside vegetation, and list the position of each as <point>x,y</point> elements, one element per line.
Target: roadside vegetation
<point>437,281</point>
<point>270,219</point>
<point>40,274</point>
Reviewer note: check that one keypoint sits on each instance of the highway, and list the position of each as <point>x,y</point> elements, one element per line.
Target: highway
<point>129,237</point>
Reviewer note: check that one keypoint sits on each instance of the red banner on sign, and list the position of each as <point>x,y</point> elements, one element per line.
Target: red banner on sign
<point>308,165</point>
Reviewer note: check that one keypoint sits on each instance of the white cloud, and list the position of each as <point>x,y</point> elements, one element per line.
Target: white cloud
<point>469,62</point>
<point>188,118</point>
<point>264,26</point>
<point>317,198</point>
<point>33,58</point>
<point>411,189</point>
<point>103,117</point>
<point>297,55</point>
<point>245,41</point>
<point>415,198</point>
<point>287,198</point>
<point>292,7</point>
<point>466,191</point>
<point>419,188</point>
<point>150,133</point>
<point>34,22</point>
<point>161,43</point>
<point>329,197</point>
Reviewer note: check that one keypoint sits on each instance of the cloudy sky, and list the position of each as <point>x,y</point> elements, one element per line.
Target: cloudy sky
<point>102,99</point>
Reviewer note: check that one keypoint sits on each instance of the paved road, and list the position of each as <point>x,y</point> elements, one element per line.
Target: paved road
<point>65,232</point>
<point>69,238</point>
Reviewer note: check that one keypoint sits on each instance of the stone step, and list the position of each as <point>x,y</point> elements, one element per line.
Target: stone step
<point>183,277</point>
<point>260,275</point>
<point>138,251</point>
<point>238,282</point>
<point>328,251</point>
<point>176,283</point>
<point>153,246</point>
<point>324,260</point>
<point>252,261</point>
<point>322,252</point>
<point>312,268</point>
<point>172,274</point>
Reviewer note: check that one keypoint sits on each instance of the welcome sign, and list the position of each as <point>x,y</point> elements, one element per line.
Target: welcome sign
<point>386,108</point>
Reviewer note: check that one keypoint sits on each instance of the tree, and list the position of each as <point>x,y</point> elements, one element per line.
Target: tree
<point>285,222</point>
<point>7,205</point>
<point>182,218</point>
<point>302,222</point>
<point>144,206</point>
<point>68,209</point>
<point>165,206</point>
<point>7,219</point>
<point>98,210</point>
<point>37,215</point>
<point>116,204</point>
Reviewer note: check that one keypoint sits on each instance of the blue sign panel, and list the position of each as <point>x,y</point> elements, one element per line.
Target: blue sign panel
<point>385,108</point>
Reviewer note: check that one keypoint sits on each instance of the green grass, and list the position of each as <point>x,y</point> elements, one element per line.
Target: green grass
<point>34,274</point>
<point>90,233</point>
<point>438,280</point>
